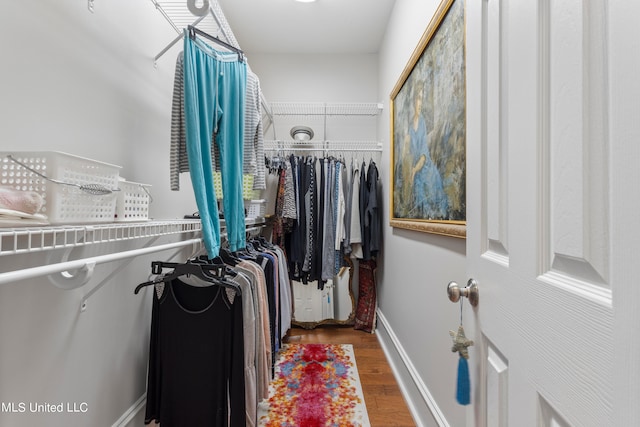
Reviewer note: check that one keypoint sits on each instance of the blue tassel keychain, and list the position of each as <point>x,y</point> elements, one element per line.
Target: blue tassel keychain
<point>463,392</point>
<point>460,345</point>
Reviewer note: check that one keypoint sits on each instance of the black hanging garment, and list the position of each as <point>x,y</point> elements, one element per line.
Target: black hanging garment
<point>372,236</point>
<point>196,357</point>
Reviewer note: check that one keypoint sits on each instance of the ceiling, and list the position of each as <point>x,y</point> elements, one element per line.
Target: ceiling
<point>325,26</point>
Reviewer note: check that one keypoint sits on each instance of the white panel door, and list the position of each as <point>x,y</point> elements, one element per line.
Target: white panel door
<point>552,240</point>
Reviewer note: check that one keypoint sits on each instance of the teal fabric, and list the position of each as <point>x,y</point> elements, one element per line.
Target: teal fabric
<point>214,93</point>
<point>463,389</point>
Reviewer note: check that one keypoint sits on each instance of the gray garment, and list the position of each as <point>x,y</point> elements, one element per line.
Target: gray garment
<point>178,161</point>
<point>328,227</point>
<point>253,134</point>
<point>355,238</point>
<point>263,341</point>
<point>348,206</point>
<point>249,339</point>
<point>259,342</point>
<point>286,294</point>
<point>271,193</point>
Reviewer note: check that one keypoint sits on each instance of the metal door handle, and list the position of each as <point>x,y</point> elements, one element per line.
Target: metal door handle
<point>470,291</point>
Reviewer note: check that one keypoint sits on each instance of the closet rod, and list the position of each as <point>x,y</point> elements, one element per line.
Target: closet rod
<point>87,263</point>
<point>373,150</point>
<point>95,289</point>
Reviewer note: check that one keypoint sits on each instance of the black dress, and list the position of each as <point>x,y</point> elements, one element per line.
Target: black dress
<point>196,354</point>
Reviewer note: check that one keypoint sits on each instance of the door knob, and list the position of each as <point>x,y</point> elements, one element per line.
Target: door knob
<point>470,291</point>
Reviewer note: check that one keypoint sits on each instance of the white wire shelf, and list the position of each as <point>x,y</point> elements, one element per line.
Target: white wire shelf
<point>325,109</point>
<point>28,240</point>
<point>179,17</point>
<point>177,14</point>
<point>36,239</point>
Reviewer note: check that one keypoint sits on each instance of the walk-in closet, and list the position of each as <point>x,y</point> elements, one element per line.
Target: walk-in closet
<point>261,213</point>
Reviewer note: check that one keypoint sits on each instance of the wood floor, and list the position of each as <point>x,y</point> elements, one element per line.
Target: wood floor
<point>385,405</point>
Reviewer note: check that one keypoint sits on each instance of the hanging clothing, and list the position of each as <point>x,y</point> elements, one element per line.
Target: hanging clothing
<point>289,200</point>
<point>249,310</point>
<point>297,244</point>
<point>263,343</point>
<point>362,203</point>
<point>286,297</point>
<point>253,150</point>
<point>213,343</point>
<point>339,210</point>
<point>215,88</point>
<point>316,264</point>
<point>253,156</point>
<point>334,211</point>
<point>329,231</point>
<point>355,235</point>
<point>347,190</point>
<point>367,297</point>
<point>178,161</point>
<point>311,206</point>
<point>372,227</point>
<point>196,355</point>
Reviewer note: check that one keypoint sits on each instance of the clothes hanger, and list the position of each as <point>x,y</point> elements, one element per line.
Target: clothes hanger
<point>248,252</point>
<point>192,34</point>
<point>264,243</point>
<point>215,274</point>
<point>227,257</point>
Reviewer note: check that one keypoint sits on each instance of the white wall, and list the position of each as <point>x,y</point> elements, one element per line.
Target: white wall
<point>316,78</point>
<point>319,79</point>
<point>84,83</point>
<point>416,267</point>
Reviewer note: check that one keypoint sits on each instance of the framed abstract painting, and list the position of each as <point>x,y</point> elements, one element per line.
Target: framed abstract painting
<point>428,130</point>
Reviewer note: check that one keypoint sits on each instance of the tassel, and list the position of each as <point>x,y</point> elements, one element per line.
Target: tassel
<point>463,393</point>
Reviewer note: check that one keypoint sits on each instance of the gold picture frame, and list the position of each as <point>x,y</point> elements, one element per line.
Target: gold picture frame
<point>428,130</point>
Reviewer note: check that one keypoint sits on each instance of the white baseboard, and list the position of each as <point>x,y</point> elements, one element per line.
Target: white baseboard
<point>131,413</point>
<point>393,350</point>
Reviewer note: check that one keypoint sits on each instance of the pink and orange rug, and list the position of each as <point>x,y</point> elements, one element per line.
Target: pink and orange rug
<point>315,385</point>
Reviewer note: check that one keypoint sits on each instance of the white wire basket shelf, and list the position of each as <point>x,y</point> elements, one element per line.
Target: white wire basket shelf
<point>37,239</point>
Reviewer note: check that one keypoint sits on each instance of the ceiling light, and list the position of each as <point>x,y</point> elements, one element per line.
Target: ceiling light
<point>305,1</point>
<point>301,133</point>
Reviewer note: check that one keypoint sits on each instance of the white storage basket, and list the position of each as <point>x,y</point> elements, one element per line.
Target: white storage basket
<point>256,208</point>
<point>133,202</point>
<point>63,204</point>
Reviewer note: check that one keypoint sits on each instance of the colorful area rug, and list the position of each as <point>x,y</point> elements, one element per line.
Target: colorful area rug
<point>315,385</point>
